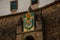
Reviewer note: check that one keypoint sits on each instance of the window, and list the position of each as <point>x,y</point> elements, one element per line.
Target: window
<point>34,2</point>
<point>13,5</point>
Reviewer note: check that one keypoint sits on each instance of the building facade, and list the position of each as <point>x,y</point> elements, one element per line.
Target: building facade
<point>47,25</point>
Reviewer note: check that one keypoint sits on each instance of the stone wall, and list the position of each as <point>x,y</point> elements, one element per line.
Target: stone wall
<point>51,16</point>
<point>8,25</point>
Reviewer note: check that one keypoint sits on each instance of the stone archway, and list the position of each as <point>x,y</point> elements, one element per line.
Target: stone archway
<point>29,38</point>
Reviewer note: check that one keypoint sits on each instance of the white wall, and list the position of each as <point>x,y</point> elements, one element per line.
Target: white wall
<point>45,2</point>
<point>22,5</point>
<point>4,7</point>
